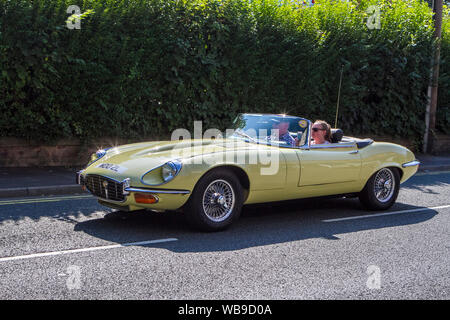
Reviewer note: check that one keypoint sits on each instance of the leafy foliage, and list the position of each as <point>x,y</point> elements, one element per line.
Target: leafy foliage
<point>443,111</point>
<point>139,68</point>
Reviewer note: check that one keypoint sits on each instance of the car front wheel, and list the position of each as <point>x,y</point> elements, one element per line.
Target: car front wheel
<point>381,189</point>
<point>216,201</point>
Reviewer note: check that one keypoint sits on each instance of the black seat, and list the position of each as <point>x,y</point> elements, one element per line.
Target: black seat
<point>336,135</point>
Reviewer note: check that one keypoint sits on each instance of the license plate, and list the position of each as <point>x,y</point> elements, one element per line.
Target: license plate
<point>112,167</point>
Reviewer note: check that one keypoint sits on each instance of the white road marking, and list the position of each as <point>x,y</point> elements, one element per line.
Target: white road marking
<point>55,253</point>
<point>43,199</point>
<point>386,214</point>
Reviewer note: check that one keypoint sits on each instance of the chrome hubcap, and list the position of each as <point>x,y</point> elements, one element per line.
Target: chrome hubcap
<point>384,185</point>
<point>218,200</point>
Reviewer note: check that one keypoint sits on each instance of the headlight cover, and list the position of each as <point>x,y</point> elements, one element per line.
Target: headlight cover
<point>162,174</point>
<point>170,169</point>
<point>96,156</point>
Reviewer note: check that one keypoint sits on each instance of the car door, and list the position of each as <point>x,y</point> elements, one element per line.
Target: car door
<point>329,164</point>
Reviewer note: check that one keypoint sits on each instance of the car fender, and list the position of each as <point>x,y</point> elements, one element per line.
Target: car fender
<point>383,154</point>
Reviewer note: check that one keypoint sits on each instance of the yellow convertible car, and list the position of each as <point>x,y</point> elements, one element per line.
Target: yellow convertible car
<point>210,179</point>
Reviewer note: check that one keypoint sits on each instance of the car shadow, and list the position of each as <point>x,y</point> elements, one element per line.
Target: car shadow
<point>70,211</point>
<point>259,225</point>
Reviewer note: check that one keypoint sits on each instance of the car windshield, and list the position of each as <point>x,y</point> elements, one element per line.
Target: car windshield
<point>278,130</point>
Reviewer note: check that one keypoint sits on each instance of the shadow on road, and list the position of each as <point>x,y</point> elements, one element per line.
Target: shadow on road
<point>259,225</point>
<point>67,211</point>
<point>426,183</point>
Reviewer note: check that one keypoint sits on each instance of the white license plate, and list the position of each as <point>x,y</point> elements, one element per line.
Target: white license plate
<point>112,167</point>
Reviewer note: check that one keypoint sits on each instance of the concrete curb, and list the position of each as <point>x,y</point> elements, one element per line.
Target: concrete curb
<point>40,191</point>
<point>76,189</point>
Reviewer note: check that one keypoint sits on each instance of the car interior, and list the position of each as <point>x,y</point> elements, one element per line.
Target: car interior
<point>337,136</point>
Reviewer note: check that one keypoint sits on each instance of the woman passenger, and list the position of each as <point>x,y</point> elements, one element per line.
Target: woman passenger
<point>321,132</point>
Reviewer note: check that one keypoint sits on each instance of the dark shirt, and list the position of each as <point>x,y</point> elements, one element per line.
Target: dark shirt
<point>288,139</point>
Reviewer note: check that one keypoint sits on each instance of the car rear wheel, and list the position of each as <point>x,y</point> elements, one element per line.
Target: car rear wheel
<point>381,189</point>
<point>216,201</point>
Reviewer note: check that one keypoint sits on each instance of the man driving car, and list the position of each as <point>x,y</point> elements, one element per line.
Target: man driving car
<point>283,131</point>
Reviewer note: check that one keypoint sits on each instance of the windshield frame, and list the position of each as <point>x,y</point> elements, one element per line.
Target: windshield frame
<point>305,146</point>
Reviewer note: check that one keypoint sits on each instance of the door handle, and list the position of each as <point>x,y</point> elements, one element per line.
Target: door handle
<point>354,152</point>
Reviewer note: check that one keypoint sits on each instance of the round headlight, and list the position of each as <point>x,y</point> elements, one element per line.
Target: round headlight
<point>99,154</point>
<point>170,170</point>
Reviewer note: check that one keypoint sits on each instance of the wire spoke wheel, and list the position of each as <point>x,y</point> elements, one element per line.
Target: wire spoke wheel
<point>384,185</point>
<point>218,200</point>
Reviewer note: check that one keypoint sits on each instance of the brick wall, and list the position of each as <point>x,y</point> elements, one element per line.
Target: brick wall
<point>21,153</point>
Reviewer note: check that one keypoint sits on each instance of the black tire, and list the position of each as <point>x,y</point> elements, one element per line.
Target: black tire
<point>372,198</point>
<point>200,215</point>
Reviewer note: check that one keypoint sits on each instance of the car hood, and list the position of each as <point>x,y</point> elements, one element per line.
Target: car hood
<point>136,159</point>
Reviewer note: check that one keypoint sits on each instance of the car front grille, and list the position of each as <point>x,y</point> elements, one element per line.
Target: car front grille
<point>104,188</point>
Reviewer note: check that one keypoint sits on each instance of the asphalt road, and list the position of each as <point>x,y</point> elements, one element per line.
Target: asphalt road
<point>72,248</point>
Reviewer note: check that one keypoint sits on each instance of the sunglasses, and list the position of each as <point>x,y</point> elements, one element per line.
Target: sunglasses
<point>317,129</point>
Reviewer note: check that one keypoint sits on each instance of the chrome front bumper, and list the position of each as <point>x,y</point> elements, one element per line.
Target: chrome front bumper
<point>411,164</point>
<point>127,189</point>
<point>159,191</point>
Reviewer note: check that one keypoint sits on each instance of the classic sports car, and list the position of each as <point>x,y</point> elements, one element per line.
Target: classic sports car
<point>211,179</point>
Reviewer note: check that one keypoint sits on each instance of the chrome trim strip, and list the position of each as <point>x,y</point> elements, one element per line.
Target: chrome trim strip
<point>78,175</point>
<point>333,145</point>
<point>411,164</point>
<point>131,189</point>
<point>309,134</point>
<point>125,184</point>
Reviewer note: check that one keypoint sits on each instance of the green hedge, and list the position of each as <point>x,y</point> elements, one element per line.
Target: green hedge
<point>139,68</point>
<point>443,111</point>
